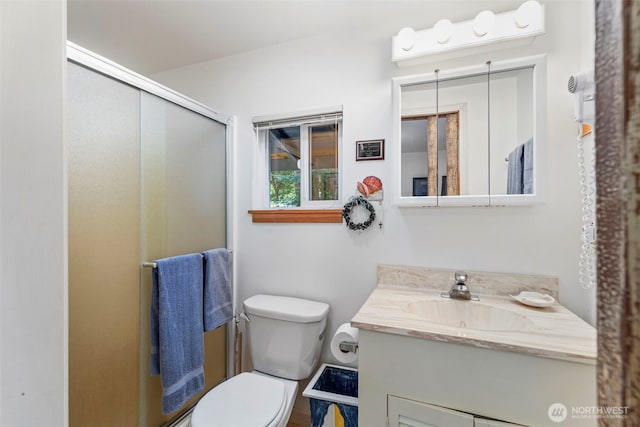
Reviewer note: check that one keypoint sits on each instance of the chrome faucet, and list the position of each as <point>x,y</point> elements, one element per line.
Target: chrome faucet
<point>459,289</point>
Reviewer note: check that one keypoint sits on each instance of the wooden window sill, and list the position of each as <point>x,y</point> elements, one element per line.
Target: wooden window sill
<point>297,215</point>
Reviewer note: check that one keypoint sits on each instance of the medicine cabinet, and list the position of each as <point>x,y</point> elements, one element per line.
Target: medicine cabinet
<point>473,136</point>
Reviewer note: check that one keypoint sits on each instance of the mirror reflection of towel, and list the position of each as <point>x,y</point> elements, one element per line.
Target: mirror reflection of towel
<point>520,169</point>
<point>527,171</point>
<point>515,170</point>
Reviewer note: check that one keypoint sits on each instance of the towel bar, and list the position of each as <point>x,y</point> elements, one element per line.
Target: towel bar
<point>147,264</point>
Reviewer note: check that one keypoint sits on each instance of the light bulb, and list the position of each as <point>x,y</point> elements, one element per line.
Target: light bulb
<point>483,22</point>
<point>406,38</point>
<point>443,30</point>
<point>527,13</point>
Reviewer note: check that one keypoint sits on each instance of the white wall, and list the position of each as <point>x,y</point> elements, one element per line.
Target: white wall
<point>414,165</point>
<point>33,251</point>
<point>329,263</point>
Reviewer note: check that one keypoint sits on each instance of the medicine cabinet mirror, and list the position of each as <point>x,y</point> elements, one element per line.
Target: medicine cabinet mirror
<point>472,136</point>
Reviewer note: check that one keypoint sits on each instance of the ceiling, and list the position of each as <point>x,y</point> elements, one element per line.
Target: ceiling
<point>150,36</point>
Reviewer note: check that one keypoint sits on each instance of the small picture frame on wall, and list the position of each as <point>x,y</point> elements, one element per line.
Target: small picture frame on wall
<point>372,149</point>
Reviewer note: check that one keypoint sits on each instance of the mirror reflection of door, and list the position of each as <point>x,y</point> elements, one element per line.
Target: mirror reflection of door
<point>431,140</point>
<point>465,163</point>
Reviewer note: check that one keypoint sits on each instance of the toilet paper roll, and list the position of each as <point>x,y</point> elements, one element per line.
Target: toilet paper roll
<point>344,333</point>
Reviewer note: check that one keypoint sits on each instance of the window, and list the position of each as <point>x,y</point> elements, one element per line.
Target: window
<point>302,167</point>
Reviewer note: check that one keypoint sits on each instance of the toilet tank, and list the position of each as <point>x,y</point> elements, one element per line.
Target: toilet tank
<point>285,334</point>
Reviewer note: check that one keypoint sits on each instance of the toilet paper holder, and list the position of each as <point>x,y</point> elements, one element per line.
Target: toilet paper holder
<point>348,347</point>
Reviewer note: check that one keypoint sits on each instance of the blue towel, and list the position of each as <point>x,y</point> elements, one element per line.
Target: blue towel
<point>527,171</point>
<point>218,307</point>
<point>177,340</point>
<point>514,171</point>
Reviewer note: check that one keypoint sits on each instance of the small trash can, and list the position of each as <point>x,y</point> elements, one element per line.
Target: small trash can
<point>333,396</point>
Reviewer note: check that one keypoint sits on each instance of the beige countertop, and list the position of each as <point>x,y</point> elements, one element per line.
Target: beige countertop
<point>414,310</point>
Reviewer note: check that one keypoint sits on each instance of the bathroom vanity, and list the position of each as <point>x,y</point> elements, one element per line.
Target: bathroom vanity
<point>425,360</point>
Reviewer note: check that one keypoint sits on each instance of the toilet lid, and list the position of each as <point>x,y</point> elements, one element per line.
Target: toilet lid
<point>246,400</point>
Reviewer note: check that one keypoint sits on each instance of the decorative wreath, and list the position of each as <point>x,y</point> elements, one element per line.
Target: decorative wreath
<point>353,203</point>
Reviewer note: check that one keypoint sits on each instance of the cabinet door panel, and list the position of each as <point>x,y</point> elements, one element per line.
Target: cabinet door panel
<point>481,422</point>
<point>410,413</point>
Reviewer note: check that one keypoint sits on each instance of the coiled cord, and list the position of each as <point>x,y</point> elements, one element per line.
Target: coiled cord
<point>586,170</point>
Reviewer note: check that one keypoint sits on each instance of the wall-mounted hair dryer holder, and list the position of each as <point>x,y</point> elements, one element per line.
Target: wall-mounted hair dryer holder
<point>582,85</point>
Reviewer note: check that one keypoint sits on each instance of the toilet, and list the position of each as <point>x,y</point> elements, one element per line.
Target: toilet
<point>285,336</point>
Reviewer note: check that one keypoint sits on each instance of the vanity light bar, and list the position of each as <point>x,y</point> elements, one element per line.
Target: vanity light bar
<point>486,32</point>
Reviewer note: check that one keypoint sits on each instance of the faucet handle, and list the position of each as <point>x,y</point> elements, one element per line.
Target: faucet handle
<point>461,276</point>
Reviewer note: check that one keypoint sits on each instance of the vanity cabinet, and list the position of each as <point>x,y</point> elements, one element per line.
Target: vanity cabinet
<point>409,413</point>
<point>466,379</point>
<point>424,360</point>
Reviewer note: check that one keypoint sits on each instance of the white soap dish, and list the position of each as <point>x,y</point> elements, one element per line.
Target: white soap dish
<point>534,299</point>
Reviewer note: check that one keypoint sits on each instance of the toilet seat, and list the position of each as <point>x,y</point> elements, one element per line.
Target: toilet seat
<point>246,400</point>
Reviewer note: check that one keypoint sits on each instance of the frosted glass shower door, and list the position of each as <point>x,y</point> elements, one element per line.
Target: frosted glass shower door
<point>183,210</point>
<point>104,213</point>
<point>147,180</point>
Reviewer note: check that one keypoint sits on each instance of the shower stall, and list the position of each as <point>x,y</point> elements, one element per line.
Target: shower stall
<point>147,179</point>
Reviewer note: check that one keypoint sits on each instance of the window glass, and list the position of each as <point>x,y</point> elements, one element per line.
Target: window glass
<point>284,171</point>
<point>302,165</point>
<point>323,162</point>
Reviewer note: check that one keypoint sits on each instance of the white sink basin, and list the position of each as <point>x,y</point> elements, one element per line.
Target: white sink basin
<point>468,315</point>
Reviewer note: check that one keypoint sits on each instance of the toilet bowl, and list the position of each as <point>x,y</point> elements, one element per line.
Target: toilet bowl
<point>250,399</point>
<point>285,336</point>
